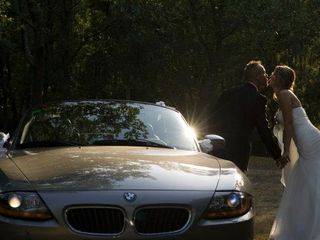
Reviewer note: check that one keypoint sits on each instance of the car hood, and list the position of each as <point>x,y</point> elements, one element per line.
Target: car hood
<point>113,168</point>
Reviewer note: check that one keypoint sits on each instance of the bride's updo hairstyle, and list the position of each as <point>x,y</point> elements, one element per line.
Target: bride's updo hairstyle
<point>286,76</point>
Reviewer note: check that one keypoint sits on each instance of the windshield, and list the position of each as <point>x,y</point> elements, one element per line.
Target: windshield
<point>90,123</point>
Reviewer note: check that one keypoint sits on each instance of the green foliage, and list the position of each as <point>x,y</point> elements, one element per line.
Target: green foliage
<point>182,52</point>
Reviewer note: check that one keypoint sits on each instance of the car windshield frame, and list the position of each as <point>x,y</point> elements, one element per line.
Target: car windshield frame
<point>169,128</point>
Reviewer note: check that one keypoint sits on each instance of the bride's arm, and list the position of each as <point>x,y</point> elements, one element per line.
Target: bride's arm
<point>284,99</point>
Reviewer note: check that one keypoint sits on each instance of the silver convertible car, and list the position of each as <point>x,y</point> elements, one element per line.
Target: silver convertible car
<point>109,169</point>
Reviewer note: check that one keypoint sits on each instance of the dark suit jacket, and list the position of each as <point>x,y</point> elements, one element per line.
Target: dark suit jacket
<point>237,112</point>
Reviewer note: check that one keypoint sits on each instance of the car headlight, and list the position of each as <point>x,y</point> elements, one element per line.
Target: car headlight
<point>23,205</point>
<point>228,205</point>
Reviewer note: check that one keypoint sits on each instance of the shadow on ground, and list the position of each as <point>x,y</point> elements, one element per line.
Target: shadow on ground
<point>267,190</point>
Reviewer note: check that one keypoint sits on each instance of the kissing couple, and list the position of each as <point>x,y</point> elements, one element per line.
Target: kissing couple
<point>241,109</point>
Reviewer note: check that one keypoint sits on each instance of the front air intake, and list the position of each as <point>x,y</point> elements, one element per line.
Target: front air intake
<point>95,220</point>
<point>158,220</point>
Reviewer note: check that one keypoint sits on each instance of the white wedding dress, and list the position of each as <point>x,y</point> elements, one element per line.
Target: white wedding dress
<point>298,216</point>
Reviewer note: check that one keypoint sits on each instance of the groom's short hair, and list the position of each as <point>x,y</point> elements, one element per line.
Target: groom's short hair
<point>250,69</point>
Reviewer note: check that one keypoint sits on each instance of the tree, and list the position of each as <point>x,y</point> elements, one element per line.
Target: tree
<point>182,52</point>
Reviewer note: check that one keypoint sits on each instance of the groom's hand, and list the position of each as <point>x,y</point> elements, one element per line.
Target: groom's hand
<point>284,160</point>
<point>278,162</point>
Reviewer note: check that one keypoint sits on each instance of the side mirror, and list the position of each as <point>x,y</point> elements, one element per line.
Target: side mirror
<point>217,141</point>
<point>213,144</point>
<point>4,144</point>
<point>3,138</point>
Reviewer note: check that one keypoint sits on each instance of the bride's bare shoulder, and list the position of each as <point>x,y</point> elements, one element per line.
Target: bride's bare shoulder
<point>284,94</point>
<point>287,95</point>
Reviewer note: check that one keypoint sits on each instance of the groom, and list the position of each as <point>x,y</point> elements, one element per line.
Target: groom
<point>241,109</point>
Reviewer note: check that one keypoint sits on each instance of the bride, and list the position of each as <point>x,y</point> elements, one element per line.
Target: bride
<point>298,216</point>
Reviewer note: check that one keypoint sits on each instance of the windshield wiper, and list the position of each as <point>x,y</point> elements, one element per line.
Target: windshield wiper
<point>42,144</point>
<point>131,142</point>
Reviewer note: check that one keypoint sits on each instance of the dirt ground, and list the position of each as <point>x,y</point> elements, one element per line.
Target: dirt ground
<point>267,190</point>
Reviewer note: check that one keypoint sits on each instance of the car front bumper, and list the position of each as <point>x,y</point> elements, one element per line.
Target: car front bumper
<point>197,228</point>
<point>242,229</point>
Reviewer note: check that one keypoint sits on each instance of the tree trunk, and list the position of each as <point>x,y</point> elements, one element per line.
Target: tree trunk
<point>38,80</point>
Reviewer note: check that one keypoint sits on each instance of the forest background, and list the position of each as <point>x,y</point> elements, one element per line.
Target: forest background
<point>182,52</point>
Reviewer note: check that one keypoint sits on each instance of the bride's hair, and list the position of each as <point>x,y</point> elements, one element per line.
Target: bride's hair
<point>286,75</point>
